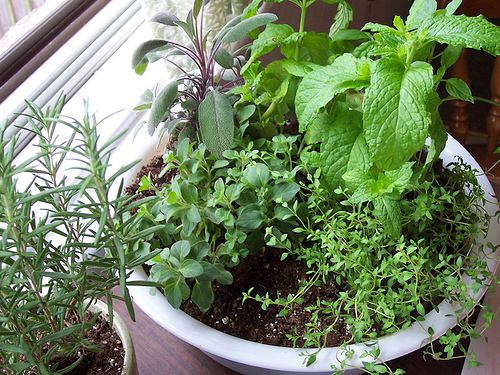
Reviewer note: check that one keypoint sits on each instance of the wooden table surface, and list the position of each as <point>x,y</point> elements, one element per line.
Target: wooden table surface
<point>160,353</point>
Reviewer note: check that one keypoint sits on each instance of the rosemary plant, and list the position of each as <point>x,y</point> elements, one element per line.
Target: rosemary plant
<point>65,242</point>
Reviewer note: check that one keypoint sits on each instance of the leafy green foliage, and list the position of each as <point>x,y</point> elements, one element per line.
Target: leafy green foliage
<point>390,80</point>
<point>397,97</point>
<point>196,89</point>
<point>386,283</point>
<point>273,88</point>
<point>320,86</point>
<point>215,116</point>
<point>66,241</point>
<point>214,212</point>
<point>470,32</point>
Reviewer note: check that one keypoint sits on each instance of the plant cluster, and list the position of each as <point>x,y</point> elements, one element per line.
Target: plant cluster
<point>206,111</point>
<point>65,242</point>
<point>214,212</point>
<point>271,89</point>
<point>358,194</point>
<point>388,283</point>
<point>368,144</point>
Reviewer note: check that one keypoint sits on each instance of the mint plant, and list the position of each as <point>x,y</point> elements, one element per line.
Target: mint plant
<point>379,104</point>
<point>205,112</point>
<point>271,89</point>
<point>65,243</point>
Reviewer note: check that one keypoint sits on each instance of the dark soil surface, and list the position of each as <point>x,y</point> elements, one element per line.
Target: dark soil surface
<point>153,168</point>
<point>266,273</point>
<point>108,361</point>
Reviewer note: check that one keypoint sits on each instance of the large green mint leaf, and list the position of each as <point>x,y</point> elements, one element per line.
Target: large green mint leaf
<point>389,213</point>
<point>320,86</point>
<point>240,30</point>
<point>270,38</point>
<point>396,118</point>
<point>419,11</point>
<point>215,117</point>
<point>437,130</point>
<point>338,143</point>
<point>317,46</point>
<point>369,185</point>
<point>342,18</point>
<point>471,32</point>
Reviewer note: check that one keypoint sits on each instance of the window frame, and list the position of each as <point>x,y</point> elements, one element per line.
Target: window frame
<point>42,39</point>
<point>72,65</point>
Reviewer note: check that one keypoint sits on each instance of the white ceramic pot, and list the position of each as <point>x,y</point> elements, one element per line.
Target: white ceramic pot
<point>251,358</point>
<point>129,362</point>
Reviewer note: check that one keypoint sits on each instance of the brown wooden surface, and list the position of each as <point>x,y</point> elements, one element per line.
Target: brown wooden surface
<point>493,120</point>
<point>160,353</point>
<point>459,121</point>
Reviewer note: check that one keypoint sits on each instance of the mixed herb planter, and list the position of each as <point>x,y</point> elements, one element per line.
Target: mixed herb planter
<point>334,156</point>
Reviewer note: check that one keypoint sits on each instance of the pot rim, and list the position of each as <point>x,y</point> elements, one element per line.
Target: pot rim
<point>272,357</point>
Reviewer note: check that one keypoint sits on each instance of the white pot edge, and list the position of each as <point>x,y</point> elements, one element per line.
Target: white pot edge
<point>250,353</point>
<point>120,327</point>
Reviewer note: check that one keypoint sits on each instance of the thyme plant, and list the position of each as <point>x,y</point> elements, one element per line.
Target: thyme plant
<point>65,242</point>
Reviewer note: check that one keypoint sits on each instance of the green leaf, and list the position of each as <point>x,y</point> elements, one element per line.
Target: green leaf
<point>161,106</point>
<point>272,36</point>
<point>240,30</point>
<point>215,117</point>
<point>298,68</point>
<point>257,175</point>
<point>203,295</point>
<point>224,58</point>
<point>342,18</point>
<point>316,130</point>
<point>453,6</point>
<point>437,130</point>
<point>197,7</point>
<point>190,268</point>
<point>250,217</point>
<point>470,32</point>
<point>193,214</point>
<point>180,249</point>
<point>176,290</point>
<point>396,119</point>
<point>420,11</point>
<point>165,18</point>
<point>350,34</point>
<point>284,191</point>
<point>320,86</point>
<point>389,213</point>
<point>317,46</point>
<point>338,143</point>
<point>244,113</point>
<point>420,309</point>
<point>458,89</point>
<point>448,58</point>
<point>139,58</point>
<point>369,186</point>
